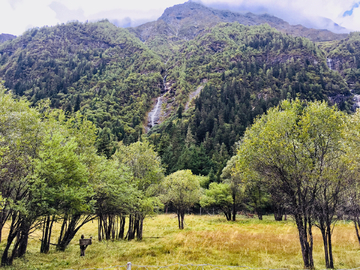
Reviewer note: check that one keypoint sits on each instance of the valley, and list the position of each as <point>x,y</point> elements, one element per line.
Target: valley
<point>104,130</point>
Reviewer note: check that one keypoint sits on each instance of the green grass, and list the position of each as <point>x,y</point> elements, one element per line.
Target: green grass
<point>205,240</point>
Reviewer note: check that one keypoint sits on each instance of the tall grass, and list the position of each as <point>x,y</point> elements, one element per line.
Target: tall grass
<point>205,240</point>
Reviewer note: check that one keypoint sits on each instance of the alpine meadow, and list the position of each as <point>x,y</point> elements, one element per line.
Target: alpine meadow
<point>207,138</point>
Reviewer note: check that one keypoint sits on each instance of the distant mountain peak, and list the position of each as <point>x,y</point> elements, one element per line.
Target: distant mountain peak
<point>6,37</point>
<point>194,17</point>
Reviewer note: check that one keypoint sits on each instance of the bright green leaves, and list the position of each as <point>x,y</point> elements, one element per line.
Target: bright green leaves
<point>182,189</point>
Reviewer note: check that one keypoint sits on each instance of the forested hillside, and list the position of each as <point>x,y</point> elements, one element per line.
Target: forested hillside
<point>97,68</point>
<point>344,56</point>
<point>214,78</point>
<point>245,70</point>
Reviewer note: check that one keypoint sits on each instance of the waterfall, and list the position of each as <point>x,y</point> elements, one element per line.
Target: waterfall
<point>357,101</point>
<point>329,63</point>
<point>154,111</point>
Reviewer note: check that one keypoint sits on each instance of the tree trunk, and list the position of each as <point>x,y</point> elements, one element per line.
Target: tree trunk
<point>23,239</point>
<point>131,230</point>
<point>278,216</point>
<point>325,242</point>
<point>181,214</point>
<point>178,216</point>
<point>99,228</point>
<point>19,229</point>
<point>304,227</point>
<point>140,230</point>
<point>331,260</point>
<point>356,221</point>
<point>122,227</point>
<point>227,214</point>
<point>73,226</point>
<point>46,234</point>
<point>234,207</point>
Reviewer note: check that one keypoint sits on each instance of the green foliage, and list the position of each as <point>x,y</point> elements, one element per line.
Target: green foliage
<point>96,68</point>
<point>299,150</point>
<point>146,173</point>
<point>219,196</point>
<point>244,71</point>
<point>182,190</point>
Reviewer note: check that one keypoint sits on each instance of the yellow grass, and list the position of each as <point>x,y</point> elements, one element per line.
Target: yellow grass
<point>205,240</point>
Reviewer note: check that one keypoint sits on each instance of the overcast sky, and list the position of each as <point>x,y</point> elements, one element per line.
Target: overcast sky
<point>16,16</point>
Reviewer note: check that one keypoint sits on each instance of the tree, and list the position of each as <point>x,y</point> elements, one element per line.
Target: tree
<point>60,182</point>
<point>115,197</point>
<point>351,206</point>
<point>298,149</point>
<point>219,196</point>
<point>146,174</point>
<point>21,130</point>
<point>232,177</point>
<point>182,190</point>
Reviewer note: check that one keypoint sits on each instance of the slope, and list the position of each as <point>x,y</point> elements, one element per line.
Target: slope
<point>244,71</point>
<point>97,68</point>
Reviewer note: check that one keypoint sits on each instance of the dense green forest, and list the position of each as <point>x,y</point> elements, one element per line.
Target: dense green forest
<point>97,68</point>
<point>245,70</point>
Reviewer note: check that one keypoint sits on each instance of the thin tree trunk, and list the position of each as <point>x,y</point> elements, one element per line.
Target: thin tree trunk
<point>357,227</point>
<point>140,231</point>
<point>122,227</point>
<point>179,222</point>
<point>99,228</point>
<point>234,207</point>
<point>324,237</point>
<point>306,240</point>
<point>331,260</point>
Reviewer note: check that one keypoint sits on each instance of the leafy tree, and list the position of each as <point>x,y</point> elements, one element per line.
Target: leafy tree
<point>233,178</point>
<point>182,190</point>
<point>60,182</point>
<point>146,173</point>
<point>298,149</point>
<point>21,130</point>
<point>219,196</point>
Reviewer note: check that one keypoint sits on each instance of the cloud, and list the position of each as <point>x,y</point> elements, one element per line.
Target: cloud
<point>319,14</point>
<point>63,14</point>
<point>16,15</point>
<point>13,3</point>
<point>350,12</point>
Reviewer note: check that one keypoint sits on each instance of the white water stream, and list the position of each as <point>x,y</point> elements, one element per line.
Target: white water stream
<point>329,63</point>
<point>357,101</point>
<point>155,113</point>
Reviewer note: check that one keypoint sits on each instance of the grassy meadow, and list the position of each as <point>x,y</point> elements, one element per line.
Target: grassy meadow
<point>205,240</point>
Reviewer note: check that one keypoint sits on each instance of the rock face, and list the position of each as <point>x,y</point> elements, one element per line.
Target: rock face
<point>188,20</point>
<point>6,37</point>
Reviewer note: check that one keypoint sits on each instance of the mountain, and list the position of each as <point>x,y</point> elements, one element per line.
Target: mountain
<point>186,21</point>
<point>97,68</point>
<point>5,37</point>
<point>195,78</point>
<point>241,71</point>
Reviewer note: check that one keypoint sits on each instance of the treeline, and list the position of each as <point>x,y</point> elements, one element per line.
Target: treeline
<point>50,173</point>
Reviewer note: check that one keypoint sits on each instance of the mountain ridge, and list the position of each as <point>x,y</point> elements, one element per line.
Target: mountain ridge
<point>186,21</point>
